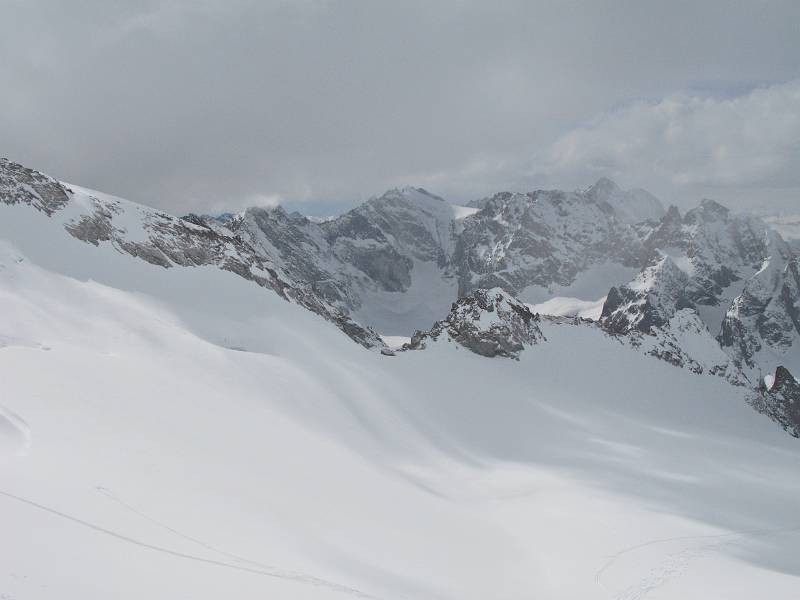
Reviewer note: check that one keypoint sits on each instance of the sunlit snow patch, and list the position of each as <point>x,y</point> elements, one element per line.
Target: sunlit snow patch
<point>562,306</point>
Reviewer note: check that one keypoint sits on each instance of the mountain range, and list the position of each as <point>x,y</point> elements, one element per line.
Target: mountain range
<point>557,394</point>
<point>393,266</point>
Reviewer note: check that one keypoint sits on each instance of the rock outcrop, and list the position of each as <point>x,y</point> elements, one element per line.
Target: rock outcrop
<point>778,397</point>
<point>487,322</point>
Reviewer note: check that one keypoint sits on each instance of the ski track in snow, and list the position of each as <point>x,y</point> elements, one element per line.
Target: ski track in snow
<point>264,570</point>
<point>674,564</point>
<point>111,496</point>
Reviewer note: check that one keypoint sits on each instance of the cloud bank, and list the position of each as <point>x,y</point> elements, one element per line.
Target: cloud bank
<point>205,105</point>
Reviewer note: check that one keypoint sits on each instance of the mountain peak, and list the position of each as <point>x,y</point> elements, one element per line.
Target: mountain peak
<point>489,322</point>
<point>708,211</point>
<point>410,193</point>
<point>650,300</point>
<point>630,206</point>
<point>603,186</point>
<point>21,185</point>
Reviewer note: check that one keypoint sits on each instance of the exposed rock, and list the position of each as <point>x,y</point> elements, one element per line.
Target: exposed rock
<point>20,184</point>
<point>709,281</point>
<point>650,300</point>
<point>684,341</point>
<point>540,239</point>
<point>778,397</point>
<point>487,322</point>
<point>763,322</point>
<point>167,241</point>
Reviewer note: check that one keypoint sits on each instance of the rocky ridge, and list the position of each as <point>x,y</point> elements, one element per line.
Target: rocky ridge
<point>162,239</point>
<point>487,322</point>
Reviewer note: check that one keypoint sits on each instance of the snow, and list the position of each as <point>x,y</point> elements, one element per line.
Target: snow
<point>395,341</point>
<point>679,257</point>
<point>769,380</point>
<point>786,225</point>
<point>129,217</point>
<point>588,285</point>
<point>462,212</point>
<point>159,462</point>
<point>570,307</point>
<point>427,300</point>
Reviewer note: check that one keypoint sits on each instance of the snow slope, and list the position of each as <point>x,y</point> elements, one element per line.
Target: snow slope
<point>185,433</point>
<point>561,306</point>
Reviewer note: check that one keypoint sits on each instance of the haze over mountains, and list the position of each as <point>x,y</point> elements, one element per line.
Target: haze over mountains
<point>167,411</point>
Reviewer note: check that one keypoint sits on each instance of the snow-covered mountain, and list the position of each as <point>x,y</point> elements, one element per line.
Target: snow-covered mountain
<point>181,415</point>
<point>395,264</point>
<point>398,261</point>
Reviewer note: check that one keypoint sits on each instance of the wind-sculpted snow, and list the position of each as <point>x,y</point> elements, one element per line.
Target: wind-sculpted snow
<point>179,432</point>
<point>190,436</point>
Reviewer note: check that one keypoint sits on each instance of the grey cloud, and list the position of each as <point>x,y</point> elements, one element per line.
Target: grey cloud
<point>688,144</point>
<point>212,104</point>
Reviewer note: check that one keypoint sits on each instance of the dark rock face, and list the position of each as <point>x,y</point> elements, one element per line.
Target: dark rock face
<point>19,184</point>
<point>779,399</point>
<point>649,301</point>
<point>540,239</point>
<point>766,315</point>
<point>720,247</point>
<point>487,322</point>
<point>369,249</point>
<point>740,278</point>
<point>514,241</point>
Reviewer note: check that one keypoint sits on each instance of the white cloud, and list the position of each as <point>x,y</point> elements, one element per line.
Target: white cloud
<point>688,142</point>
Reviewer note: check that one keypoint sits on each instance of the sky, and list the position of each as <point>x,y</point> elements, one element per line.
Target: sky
<point>214,105</point>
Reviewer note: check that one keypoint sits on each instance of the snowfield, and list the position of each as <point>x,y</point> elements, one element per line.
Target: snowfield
<point>185,433</point>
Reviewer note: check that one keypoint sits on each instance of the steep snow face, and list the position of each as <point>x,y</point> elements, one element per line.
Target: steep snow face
<point>570,307</point>
<point>630,206</point>
<point>685,342</point>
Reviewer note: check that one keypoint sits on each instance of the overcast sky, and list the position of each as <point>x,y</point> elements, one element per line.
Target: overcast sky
<point>209,105</point>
